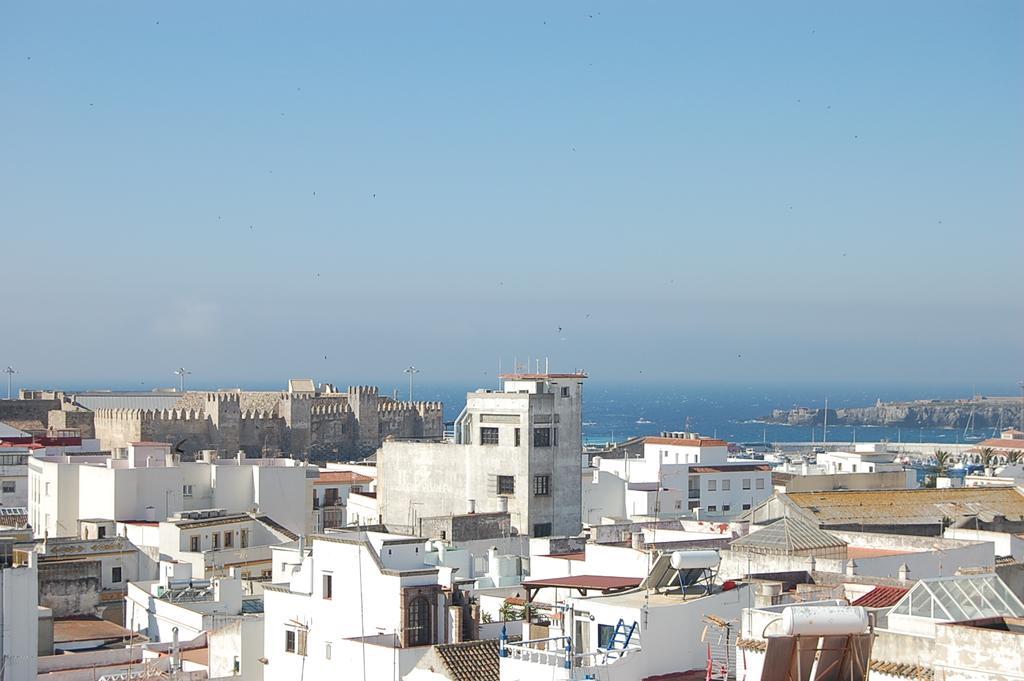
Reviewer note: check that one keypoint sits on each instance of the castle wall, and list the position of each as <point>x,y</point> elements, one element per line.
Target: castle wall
<point>80,420</point>
<point>117,427</point>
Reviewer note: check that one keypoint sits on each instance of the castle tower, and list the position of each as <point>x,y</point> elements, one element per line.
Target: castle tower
<point>364,402</point>
<point>225,415</point>
<point>296,410</point>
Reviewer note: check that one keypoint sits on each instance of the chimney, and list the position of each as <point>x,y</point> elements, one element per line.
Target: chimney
<point>851,567</point>
<point>904,572</point>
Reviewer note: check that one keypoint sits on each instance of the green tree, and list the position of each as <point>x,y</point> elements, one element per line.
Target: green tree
<point>987,456</point>
<point>942,461</point>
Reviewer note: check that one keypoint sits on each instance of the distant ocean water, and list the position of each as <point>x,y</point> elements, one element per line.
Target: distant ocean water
<point>612,412</point>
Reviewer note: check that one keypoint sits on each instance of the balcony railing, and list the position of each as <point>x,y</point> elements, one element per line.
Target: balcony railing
<point>552,652</point>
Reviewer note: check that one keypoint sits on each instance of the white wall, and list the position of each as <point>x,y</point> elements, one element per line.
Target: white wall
<point>19,613</point>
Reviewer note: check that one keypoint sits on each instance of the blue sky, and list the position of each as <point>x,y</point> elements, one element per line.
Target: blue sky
<point>759,192</point>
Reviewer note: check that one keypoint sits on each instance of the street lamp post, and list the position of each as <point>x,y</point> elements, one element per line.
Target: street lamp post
<point>412,371</point>
<point>10,371</point>
<point>181,372</point>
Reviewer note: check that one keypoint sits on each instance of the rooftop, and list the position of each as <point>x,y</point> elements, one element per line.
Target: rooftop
<point>685,442</point>
<point>732,468</point>
<point>582,583</point>
<point>470,660</point>
<point>910,505</point>
<point>540,377</point>
<point>75,629</point>
<point>881,597</point>
<point>342,478</point>
<point>961,598</point>
<point>1001,443</point>
<point>787,536</point>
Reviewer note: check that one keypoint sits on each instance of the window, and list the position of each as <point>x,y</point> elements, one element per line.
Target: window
<point>506,484</point>
<point>746,507</point>
<point>542,529</point>
<point>854,468</point>
<point>295,641</point>
<point>186,490</point>
<point>712,485</point>
<point>517,437</point>
<point>712,509</point>
<point>604,635</point>
<point>541,485</point>
<point>47,489</point>
<point>746,483</point>
<point>760,483</point>
<point>215,537</point>
<point>245,539</point>
<point>565,391</point>
<point>679,504</point>
<point>488,436</point>
<point>541,437</point>
<point>726,508</point>
<point>229,539</point>
<point>101,532</point>
<point>726,485</point>
<point>418,619</point>
<point>8,487</point>
<point>115,575</point>
<point>328,586</point>
<point>193,543</point>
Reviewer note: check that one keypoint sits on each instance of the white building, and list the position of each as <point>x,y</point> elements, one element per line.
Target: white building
<point>213,541</point>
<point>232,623</point>
<point>516,449</point>
<point>642,631</point>
<point>677,474</point>
<point>19,629</point>
<point>867,457</point>
<point>350,604</point>
<point>146,482</point>
<point>330,496</point>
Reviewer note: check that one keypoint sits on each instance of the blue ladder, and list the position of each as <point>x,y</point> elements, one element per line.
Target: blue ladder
<point>620,638</point>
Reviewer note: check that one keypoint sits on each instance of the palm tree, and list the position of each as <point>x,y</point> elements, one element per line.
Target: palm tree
<point>942,459</point>
<point>1014,456</point>
<point>988,455</point>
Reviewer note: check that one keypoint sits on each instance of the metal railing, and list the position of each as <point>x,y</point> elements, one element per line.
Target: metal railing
<point>556,651</point>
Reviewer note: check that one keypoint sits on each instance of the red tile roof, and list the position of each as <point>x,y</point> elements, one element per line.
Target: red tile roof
<point>881,597</point>
<point>1000,443</point>
<point>341,478</point>
<point>739,468</point>
<point>685,442</point>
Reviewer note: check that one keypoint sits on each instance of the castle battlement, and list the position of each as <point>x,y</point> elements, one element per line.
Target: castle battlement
<point>223,397</point>
<point>296,397</point>
<point>258,414</point>
<point>330,409</point>
<point>364,390</point>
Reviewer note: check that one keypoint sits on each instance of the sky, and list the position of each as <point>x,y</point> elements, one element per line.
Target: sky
<point>710,192</point>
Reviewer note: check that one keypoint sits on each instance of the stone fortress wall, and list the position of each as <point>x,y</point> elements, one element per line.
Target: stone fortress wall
<point>326,424</point>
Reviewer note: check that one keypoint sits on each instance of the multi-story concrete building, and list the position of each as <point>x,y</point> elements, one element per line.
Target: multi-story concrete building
<point>518,449</point>
<point>674,475</point>
<point>147,482</point>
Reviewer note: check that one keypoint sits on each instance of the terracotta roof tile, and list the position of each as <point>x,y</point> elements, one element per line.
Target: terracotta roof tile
<point>471,660</point>
<point>881,597</point>
<point>685,442</point>
<point>341,478</point>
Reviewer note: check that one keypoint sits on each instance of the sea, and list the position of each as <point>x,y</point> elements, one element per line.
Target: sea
<point>612,412</point>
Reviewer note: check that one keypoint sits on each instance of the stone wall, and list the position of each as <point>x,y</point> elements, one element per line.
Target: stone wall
<point>70,589</point>
<point>27,410</point>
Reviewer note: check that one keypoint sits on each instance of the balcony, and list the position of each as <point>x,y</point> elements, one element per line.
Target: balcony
<point>548,658</point>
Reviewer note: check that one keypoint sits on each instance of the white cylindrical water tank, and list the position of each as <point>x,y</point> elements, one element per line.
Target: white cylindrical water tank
<point>691,560</point>
<point>150,514</point>
<point>471,505</point>
<point>503,504</point>
<point>596,462</point>
<point>825,620</point>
